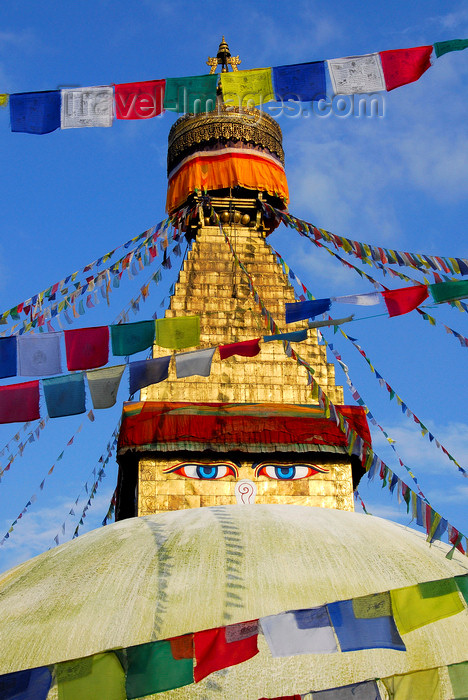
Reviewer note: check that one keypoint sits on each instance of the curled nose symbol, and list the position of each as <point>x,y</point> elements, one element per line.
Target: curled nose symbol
<point>245,492</point>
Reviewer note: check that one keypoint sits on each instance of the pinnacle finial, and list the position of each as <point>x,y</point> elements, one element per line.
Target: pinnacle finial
<point>223,58</point>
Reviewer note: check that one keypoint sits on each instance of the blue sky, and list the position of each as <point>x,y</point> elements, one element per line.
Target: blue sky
<point>397,181</point>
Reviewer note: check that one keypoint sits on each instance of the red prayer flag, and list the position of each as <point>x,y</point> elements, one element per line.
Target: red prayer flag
<point>403,66</point>
<point>213,653</point>
<point>19,402</point>
<point>182,647</point>
<point>141,100</point>
<point>87,347</point>
<point>248,348</point>
<point>404,300</point>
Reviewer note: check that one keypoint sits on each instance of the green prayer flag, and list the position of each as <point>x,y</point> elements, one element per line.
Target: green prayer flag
<point>449,291</point>
<point>178,333</point>
<point>441,47</point>
<point>193,94</point>
<point>94,678</point>
<point>128,338</point>
<point>153,669</point>
<point>416,606</point>
<point>462,583</point>
<point>459,679</point>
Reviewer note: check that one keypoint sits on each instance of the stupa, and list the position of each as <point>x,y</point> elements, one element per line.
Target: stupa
<point>253,420</point>
<point>235,500</point>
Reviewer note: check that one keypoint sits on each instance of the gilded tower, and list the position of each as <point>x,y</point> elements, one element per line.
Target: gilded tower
<point>250,431</point>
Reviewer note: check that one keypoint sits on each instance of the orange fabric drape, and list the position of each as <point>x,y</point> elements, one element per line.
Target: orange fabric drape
<point>216,171</point>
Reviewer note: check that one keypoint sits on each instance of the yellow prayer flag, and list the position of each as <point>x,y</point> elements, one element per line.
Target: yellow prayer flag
<point>416,606</point>
<point>178,333</point>
<point>247,87</point>
<point>421,685</point>
<point>3,100</point>
<point>94,677</point>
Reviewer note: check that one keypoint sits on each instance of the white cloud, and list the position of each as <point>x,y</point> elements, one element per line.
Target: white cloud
<point>36,530</point>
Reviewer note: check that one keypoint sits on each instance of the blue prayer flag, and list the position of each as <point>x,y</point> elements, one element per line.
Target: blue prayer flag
<point>294,337</point>
<point>300,310</point>
<point>33,684</point>
<point>35,112</point>
<point>148,372</point>
<point>357,691</point>
<point>301,81</point>
<point>8,357</point>
<point>370,630</point>
<point>65,396</point>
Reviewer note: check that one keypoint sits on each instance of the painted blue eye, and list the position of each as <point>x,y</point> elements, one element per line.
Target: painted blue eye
<point>285,472</point>
<point>197,470</point>
<point>207,471</point>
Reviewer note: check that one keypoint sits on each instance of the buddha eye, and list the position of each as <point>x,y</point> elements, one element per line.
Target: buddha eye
<point>199,470</point>
<point>287,472</point>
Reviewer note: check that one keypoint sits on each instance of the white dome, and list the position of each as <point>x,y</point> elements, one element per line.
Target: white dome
<point>165,575</point>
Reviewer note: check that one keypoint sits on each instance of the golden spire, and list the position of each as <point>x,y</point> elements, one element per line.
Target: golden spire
<point>223,58</point>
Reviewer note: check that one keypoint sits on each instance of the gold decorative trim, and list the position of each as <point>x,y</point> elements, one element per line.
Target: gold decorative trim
<point>233,124</point>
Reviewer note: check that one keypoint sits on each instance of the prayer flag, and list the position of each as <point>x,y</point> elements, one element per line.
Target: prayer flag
<point>368,628</point>
<point>141,100</point>
<point>421,685</point>
<point>356,74</point>
<point>402,301</point>
<point>35,112</point>
<point>128,338</point>
<point>462,583</point>
<point>248,348</point>
<point>356,691</point>
<point>294,337</point>
<point>458,674</point>
<point>441,47</point>
<point>94,678</point>
<point>298,311</point>
<point>197,362</point>
<point>416,606</point>
<point>299,632</point>
<point>8,357</point>
<point>33,684</point>
<point>152,668</point>
<point>148,372</point>
<point>90,106</point>
<point>302,81</point>
<point>104,385</point>
<point>360,299</point>
<point>87,347</point>
<point>403,66</point>
<point>331,322</point>
<point>3,99</point>
<point>213,652</point>
<point>449,291</point>
<point>248,87</point>
<point>39,355</point>
<point>65,396</point>
<point>194,94</point>
<point>178,332</point>
<point>19,402</point>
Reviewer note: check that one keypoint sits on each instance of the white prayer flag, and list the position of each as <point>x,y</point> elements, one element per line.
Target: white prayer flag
<point>91,106</point>
<point>196,362</point>
<point>356,74</point>
<point>299,632</point>
<point>361,299</point>
<point>39,355</point>
<point>104,385</point>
